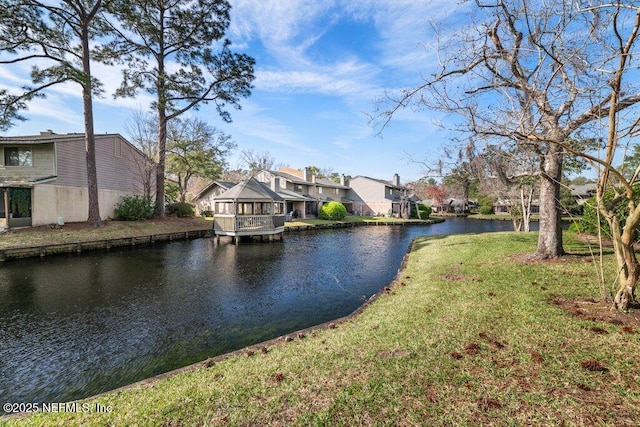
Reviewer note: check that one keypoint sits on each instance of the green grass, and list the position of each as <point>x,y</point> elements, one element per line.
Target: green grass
<point>82,232</point>
<point>518,356</point>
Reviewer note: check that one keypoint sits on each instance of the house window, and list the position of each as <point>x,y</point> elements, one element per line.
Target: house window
<point>225,208</point>
<point>263,208</point>
<point>337,191</point>
<point>17,156</point>
<point>245,208</point>
<point>391,191</point>
<point>319,190</point>
<point>298,188</point>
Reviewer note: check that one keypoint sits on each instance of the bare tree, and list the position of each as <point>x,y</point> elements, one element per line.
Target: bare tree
<point>143,131</point>
<point>522,71</point>
<point>511,173</point>
<point>617,194</point>
<point>255,161</point>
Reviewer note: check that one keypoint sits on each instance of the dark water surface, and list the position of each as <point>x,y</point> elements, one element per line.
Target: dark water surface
<point>76,325</point>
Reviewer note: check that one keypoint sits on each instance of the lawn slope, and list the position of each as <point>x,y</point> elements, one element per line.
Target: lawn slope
<point>467,335</point>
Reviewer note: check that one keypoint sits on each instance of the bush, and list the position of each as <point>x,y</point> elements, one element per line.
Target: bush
<point>485,205</point>
<point>133,208</point>
<point>333,211</point>
<point>181,210</point>
<point>424,210</point>
<point>589,222</point>
<point>207,214</point>
<point>486,210</point>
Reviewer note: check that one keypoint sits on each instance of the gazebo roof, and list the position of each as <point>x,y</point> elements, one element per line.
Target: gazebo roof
<point>249,190</point>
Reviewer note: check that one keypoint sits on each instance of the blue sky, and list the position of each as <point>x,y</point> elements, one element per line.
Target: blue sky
<point>320,66</point>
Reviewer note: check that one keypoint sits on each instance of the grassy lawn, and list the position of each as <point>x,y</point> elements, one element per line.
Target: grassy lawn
<point>81,232</point>
<point>467,335</point>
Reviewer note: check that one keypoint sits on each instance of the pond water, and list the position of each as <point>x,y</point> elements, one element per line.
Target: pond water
<point>76,325</point>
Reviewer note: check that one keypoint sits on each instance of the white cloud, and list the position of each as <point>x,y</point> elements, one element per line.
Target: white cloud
<point>254,121</point>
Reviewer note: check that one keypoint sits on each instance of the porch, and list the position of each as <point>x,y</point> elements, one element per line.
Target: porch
<point>248,209</point>
<point>248,225</point>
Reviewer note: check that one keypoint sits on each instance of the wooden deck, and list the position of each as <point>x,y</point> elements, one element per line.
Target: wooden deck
<point>248,225</point>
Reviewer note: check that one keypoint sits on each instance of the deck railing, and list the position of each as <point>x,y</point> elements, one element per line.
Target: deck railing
<point>247,223</point>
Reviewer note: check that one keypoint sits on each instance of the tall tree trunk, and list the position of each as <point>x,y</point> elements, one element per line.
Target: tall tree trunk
<point>162,127</point>
<point>90,139</point>
<point>162,154</point>
<point>626,260</point>
<point>550,235</point>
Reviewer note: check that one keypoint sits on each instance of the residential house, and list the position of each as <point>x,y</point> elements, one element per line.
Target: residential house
<point>43,178</point>
<point>449,205</point>
<point>583,192</point>
<point>205,199</point>
<point>304,193</point>
<point>503,206</point>
<point>378,197</point>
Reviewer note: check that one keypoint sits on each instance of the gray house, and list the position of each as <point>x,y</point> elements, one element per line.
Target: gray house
<point>204,200</point>
<point>377,197</point>
<point>304,193</point>
<point>44,177</point>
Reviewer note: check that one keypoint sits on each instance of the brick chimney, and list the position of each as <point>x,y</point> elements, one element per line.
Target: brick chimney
<point>396,180</point>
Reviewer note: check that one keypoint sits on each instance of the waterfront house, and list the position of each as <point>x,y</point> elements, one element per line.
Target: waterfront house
<point>502,206</point>
<point>304,193</point>
<point>250,208</point>
<point>377,197</point>
<point>583,192</point>
<point>43,178</point>
<point>295,190</point>
<point>205,199</point>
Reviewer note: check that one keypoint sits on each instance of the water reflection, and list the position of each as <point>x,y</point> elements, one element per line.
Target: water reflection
<point>76,325</point>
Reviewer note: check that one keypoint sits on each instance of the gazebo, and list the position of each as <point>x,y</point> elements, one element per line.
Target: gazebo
<point>249,208</point>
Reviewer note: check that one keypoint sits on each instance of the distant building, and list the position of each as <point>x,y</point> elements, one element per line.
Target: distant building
<point>583,192</point>
<point>377,197</point>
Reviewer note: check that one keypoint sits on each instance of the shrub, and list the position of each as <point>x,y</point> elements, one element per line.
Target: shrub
<point>333,211</point>
<point>589,222</point>
<point>207,214</point>
<point>181,210</point>
<point>424,210</point>
<point>486,210</point>
<point>133,208</point>
<point>485,205</point>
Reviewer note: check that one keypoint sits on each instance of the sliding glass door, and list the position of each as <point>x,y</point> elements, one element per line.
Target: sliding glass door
<point>4,207</point>
<point>19,207</point>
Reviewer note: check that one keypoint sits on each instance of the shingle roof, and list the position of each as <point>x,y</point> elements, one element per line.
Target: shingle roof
<point>381,181</point>
<point>44,138</point>
<point>223,184</point>
<point>250,189</point>
<point>291,178</point>
<point>293,196</point>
